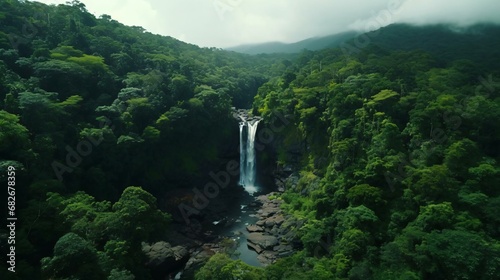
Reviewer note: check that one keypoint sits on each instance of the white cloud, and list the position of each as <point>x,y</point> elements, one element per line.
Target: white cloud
<point>223,23</point>
<point>462,12</point>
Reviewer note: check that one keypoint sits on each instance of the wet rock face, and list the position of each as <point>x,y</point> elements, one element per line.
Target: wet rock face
<point>195,262</point>
<point>161,252</point>
<point>244,115</point>
<point>163,258</point>
<point>273,235</point>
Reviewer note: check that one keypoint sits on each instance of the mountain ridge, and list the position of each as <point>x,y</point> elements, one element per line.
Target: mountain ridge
<point>313,43</point>
<point>400,36</point>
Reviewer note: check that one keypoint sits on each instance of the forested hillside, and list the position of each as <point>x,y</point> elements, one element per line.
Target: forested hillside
<point>67,76</point>
<point>90,107</point>
<point>312,44</point>
<point>398,164</point>
<point>389,150</point>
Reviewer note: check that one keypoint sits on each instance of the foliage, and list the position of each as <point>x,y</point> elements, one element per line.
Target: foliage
<point>221,267</point>
<point>394,146</point>
<point>73,256</point>
<point>398,146</point>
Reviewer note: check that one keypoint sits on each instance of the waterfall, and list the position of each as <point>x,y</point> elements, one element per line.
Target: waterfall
<point>242,154</point>
<point>247,155</point>
<point>250,154</point>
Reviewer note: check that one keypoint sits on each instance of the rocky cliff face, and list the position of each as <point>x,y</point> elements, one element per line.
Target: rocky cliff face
<point>163,258</point>
<point>245,115</point>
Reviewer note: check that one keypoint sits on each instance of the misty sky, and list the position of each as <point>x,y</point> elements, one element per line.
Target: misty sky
<point>225,23</point>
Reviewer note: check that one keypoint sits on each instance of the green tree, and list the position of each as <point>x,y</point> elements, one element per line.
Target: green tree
<point>137,216</point>
<point>117,274</point>
<point>365,195</point>
<point>73,257</point>
<point>14,137</point>
<point>433,183</point>
<point>435,217</point>
<point>460,156</point>
<point>448,256</point>
<point>221,267</point>
<point>66,78</point>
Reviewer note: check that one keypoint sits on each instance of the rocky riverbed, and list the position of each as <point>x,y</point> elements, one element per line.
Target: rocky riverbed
<point>268,232</point>
<point>274,234</point>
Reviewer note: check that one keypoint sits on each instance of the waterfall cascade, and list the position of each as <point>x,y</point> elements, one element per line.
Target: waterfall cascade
<point>248,130</point>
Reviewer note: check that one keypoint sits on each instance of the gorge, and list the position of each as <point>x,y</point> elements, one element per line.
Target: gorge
<point>375,161</point>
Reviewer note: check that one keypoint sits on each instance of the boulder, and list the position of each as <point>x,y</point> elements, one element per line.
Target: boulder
<point>161,252</point>
<point>267,211</point>
<point>279,219</point>
<point>263,198</point>
<point>282,248</point>
<point>270,222</point>
<point>267,258</point>
<point>163,258</point>
<point>264,241</point>
<point>195,262</point>
<point>255,247</point>
<point>254,228</point>
<point>237,233</point>
<point>274,231</point>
